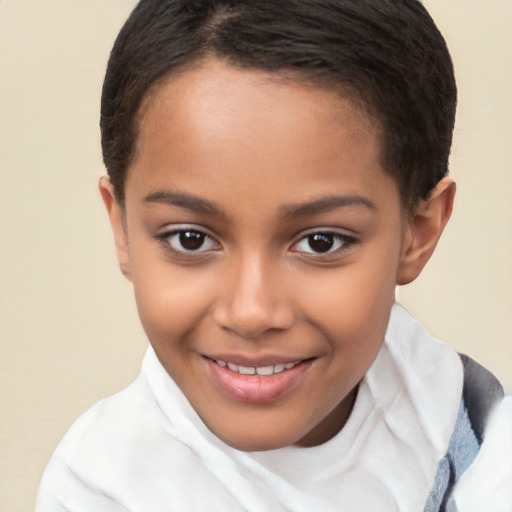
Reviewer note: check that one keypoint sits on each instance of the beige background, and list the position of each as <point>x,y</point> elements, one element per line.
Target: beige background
<point>69,332</point>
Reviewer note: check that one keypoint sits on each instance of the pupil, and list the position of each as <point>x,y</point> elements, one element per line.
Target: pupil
<point>321,242</point>
<point>191,240</point>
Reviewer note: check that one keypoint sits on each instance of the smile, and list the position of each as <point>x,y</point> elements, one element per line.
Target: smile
<point>256,384</point>
<point>260,370</point>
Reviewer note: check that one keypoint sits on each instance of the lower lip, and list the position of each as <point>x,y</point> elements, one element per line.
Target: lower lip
<point>256,388</point>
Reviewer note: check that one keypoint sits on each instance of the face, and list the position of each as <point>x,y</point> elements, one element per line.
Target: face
<point>263,239</point>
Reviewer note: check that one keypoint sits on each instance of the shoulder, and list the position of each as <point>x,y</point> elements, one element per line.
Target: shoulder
<point>487,484</point>
<point>120,446</point>
<point>110,423</point>
<point>117,429</point>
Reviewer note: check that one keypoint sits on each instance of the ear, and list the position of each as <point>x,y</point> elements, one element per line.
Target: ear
<point>117,221</point>
<point>423,230</point>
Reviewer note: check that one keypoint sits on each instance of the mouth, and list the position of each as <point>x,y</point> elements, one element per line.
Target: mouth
<point>258,383</point>
<point>262,371</point>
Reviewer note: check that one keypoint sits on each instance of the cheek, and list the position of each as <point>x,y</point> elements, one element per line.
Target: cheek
<point>171,300</point>
<point>351,307</point>
<point>357,298</point>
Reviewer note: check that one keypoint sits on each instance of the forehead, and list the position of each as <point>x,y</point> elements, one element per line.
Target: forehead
<point>218,125</point>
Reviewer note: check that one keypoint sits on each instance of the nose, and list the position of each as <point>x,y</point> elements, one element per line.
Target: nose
<point>253,300</point>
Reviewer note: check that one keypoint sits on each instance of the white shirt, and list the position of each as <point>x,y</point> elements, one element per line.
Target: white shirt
<point>145,449</point>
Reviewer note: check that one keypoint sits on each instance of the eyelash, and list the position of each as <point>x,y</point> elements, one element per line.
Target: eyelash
<point>166,239</point>
<point>340,242</point>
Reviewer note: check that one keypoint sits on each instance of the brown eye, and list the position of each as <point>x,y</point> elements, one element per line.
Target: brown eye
<point>190,241</point>
<point>321,242</point>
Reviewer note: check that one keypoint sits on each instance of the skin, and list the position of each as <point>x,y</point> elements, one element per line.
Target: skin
<point>266,162</point>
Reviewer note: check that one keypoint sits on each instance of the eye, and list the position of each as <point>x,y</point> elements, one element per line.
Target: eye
<point>189,241</point>
<point>322,242</point>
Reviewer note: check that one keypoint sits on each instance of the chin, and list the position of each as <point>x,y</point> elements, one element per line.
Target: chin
<point>257,442</point>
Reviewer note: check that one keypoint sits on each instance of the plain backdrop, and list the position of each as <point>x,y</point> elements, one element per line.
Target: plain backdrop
<point>69,331</point>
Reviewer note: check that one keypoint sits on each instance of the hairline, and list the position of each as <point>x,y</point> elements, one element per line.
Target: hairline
<point>341,89</point>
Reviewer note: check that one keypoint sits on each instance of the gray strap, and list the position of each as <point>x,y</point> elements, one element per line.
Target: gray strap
<point>482,390</point>
<point>462,450</point>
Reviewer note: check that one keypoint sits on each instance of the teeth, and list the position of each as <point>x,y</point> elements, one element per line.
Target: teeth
<point>261,370</point>
<point>278,368</point>
<point>265,370</point>
<point>246,370</point>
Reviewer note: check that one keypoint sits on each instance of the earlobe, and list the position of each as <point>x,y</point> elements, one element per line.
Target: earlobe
<point>116,216</point>
<point>424,229</point>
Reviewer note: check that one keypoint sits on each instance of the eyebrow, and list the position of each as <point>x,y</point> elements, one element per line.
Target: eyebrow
<point>326,204</point>
<point>315,207</point>
<point>184,200</point>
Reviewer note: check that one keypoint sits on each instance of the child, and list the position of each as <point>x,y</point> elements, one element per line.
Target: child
<point>276,168</point>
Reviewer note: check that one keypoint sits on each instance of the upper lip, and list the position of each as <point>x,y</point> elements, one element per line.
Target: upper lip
<point>256,362</point>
